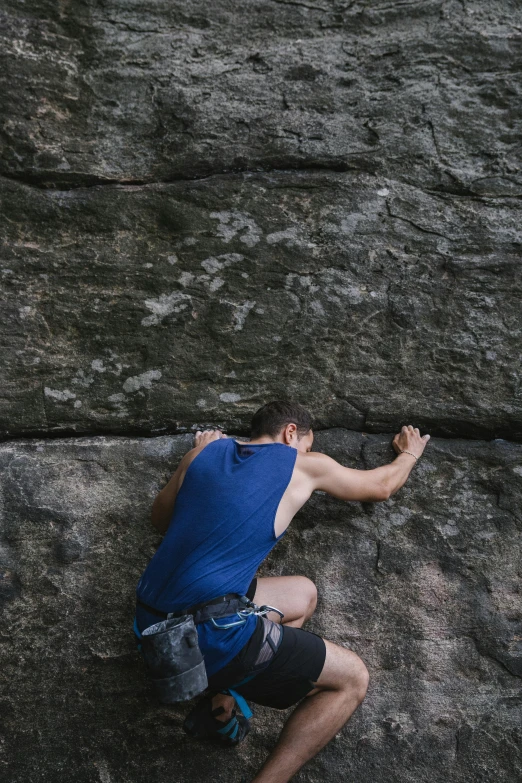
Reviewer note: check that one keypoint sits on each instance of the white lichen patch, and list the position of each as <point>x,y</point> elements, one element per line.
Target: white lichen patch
<point>60,396</point>
<point>83,379</point>
<point>349,222</point>
<point>304,281</point>
<point>143,381</point>
<point>201,403</point>
<point>118,401</point>
<point>164,306</point>
<point>214,264</point>
<point>232,222</point>
<point>383,192</point>
<point>216,283</point>
<point>229,397</point>
<point>448,530</point>
<point>117,397</point>
<point>241,312</point>
<point>186,278</point>
<point>290,236</point>
<point>26,311</point>
<point>77,403</point>
<point>211,265</point>
<point>98,366</point>
<point>172,259</point>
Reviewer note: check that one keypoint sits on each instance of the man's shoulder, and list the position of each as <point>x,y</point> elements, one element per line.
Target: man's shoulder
<point>313,463</point>
<point>191,455</point>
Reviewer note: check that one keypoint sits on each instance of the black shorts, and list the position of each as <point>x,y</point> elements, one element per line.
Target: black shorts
<point>289,676</point>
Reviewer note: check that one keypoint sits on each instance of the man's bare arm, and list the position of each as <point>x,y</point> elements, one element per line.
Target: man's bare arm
<point>163,506</point>
<point>370,485</point>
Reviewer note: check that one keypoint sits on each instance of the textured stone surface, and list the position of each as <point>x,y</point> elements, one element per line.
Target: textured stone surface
<point>424,92</point>
<point>209,205</point>
<point>383,289</point>
<point>149,309</point>
<point>425,587</point>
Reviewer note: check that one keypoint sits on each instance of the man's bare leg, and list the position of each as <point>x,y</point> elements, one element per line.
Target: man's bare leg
<point>341,687</point>
<point>295,596</point>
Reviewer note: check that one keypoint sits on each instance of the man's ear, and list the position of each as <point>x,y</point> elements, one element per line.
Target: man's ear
<point>289,430</point>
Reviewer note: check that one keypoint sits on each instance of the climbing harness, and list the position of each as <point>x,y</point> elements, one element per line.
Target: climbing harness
<point>171,651</point>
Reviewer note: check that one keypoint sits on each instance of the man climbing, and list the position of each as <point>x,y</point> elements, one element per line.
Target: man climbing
<point>223,510</point>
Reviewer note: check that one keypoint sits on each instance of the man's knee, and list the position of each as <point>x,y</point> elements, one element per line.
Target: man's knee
<point>343,670</point>
<point>359,679</point>
<point>309,594</point>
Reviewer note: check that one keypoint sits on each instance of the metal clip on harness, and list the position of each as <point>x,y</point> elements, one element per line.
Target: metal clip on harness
<point>244,614</point>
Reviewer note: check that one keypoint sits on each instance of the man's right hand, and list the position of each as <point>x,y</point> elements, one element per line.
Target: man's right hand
<point>409,439</point>
<point>203,437</point>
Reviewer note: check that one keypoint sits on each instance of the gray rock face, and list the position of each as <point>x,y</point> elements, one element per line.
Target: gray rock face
<point>208,206</point>
<point>425,93</point>
<point>424,587</point>
<point>383,289</point>
<point>148,309</point>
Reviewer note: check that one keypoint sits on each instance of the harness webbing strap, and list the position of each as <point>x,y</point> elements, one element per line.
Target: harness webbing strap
<point>191,609</point>
<point>241,701</point>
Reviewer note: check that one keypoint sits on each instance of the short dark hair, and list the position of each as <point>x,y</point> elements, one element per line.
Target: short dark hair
<point>272,417</point>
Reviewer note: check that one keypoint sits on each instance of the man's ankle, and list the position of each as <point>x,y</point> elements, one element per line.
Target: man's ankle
<point>225,701</point>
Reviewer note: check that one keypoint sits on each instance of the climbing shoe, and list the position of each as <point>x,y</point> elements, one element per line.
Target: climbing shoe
<point>202,723</point>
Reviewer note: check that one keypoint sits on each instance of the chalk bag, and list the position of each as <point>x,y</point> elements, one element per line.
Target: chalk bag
<point>173,659</point>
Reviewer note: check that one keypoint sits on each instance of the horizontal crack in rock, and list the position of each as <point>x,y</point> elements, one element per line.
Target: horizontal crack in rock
<point>51,181</point>
<point>142,433</point>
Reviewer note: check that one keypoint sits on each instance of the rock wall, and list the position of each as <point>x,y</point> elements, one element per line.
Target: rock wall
<point>207,206</point>
<point>425,587</point>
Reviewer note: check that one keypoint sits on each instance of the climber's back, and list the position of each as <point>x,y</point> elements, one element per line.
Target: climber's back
<point>222,526</point>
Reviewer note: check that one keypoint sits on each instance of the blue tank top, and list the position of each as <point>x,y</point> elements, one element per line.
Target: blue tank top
<point>221,529</point>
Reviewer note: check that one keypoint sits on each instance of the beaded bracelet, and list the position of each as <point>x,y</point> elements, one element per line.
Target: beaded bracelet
<point>403,451</point>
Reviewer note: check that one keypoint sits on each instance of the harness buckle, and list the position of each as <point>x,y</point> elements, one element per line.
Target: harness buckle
<point>265,609</point>
<point>261,610</point>
<point>243,614</point>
